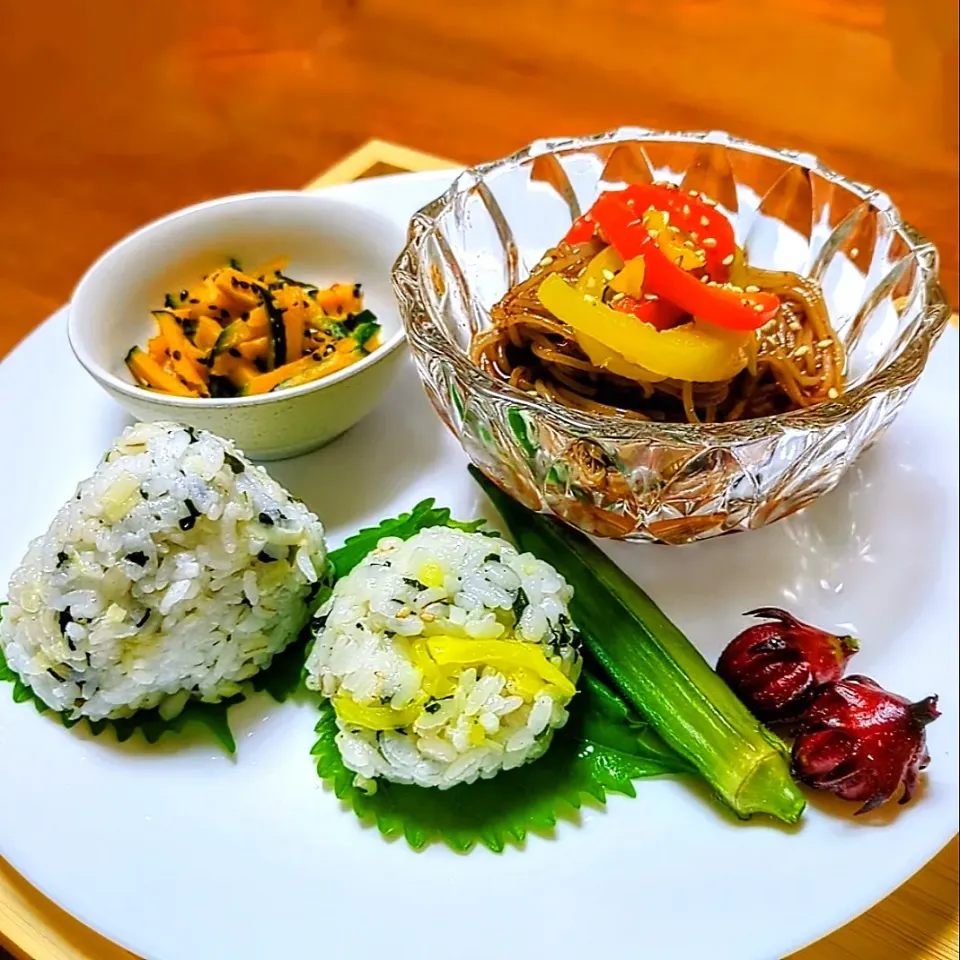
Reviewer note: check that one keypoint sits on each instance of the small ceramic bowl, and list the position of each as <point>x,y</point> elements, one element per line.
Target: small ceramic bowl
<point>326,240</point>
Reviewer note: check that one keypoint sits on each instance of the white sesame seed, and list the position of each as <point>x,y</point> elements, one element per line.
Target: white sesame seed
<point>709,242</point>
<point>824,343</point>
<point>590,298</point>
<point>752,288</point>
<point>800,351</point>
<point>794,325</point>
<point>704,221</point>
<point>546,261</point>
<point>727,260</point>
<point>758,308</point>
<point>650,296</point>
<point>855,251</point>
<point>833,393</point>
<point>608,274</point>
<point>617,296</point>
<point>694,193</point>
<point>653,234</point>
<point>686,209</point>
<point>705,199</point>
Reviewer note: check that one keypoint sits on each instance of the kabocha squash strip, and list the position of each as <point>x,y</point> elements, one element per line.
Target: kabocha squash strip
<point>182,352</point>
<point>246,333</point>
<point>148,373</point>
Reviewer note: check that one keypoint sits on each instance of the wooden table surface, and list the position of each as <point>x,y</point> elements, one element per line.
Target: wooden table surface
<point>116,112</point>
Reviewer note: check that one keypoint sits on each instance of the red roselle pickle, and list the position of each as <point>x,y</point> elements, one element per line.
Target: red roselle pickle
<point>862,742</point>
<point>776,667</point>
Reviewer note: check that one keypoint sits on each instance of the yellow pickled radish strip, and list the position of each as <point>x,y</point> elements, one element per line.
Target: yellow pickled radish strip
<point>603,356</point>
<point>374,717</point>
<point>600,270</point>
<point>630,279</point>
<point>431,574</point>
<point>525,683</point>
<point>435,682</point>
<point>507,656</point>
<point>693,351</point>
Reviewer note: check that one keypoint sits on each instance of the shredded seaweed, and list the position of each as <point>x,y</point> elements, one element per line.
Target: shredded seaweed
<point>602,749</point>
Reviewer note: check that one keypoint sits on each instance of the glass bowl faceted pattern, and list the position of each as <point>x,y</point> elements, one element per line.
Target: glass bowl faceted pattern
<point>670,483</point>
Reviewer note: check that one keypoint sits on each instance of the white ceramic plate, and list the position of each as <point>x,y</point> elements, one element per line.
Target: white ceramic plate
<point>179,853</point>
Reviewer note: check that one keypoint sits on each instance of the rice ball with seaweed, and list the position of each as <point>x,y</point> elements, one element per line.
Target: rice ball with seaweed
<point>447,657</point>
<point>177,571</point>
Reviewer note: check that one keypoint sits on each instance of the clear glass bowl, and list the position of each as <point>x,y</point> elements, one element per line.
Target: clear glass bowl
<point>668,483</point>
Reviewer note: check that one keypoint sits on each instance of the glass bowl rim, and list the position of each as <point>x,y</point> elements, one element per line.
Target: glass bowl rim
<point>425,335</point>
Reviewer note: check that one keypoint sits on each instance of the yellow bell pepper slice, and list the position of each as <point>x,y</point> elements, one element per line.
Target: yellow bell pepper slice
<point>602,356</point>
<point>600,271</point>
<point>629,280</point>
<point>671,242</point>
<point>506,656</point>
<point>692,351</point>
<point>374,717</point>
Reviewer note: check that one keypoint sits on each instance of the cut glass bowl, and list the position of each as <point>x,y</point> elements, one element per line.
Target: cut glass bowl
<point>668,482</point>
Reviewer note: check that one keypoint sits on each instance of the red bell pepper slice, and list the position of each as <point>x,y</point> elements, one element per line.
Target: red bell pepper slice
<point>705,224</point>
<point>699,219</point>
<point>658,313</point>
<point>581,230</point>
<point>723,305</point>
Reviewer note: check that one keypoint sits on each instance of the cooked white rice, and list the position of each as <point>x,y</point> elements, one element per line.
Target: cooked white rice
<point>178,570</point>
<point>404,651</point>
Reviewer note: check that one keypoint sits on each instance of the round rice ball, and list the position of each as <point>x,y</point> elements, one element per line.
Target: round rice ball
<point>447,657</point>
<point>177,571</point>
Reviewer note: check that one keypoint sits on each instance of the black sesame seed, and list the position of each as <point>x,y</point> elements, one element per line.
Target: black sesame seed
<point>233,463</point>
<point>184,294</point>
<point>234,352</point>
<point>224,314</point>
<point>266,519</point>
<point>194,300</point>
<point>265,557</point>
<point>177,355</point>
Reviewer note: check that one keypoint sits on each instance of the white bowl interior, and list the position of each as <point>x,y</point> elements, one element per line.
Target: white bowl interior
<point>326,240</point>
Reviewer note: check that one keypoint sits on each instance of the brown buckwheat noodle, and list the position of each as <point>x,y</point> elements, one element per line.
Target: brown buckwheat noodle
<point>795,361</point>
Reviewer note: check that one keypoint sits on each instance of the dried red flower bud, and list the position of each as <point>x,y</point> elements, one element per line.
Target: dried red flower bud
<point>862,742</point>
<point>775,668</point>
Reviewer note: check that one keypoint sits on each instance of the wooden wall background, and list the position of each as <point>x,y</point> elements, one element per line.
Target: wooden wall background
<point>116,111</point>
